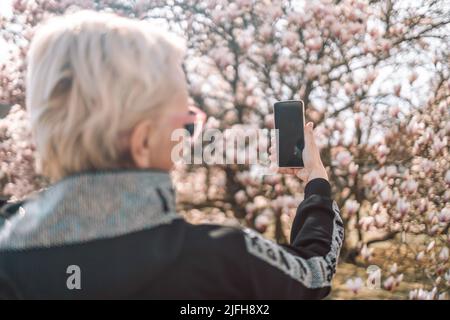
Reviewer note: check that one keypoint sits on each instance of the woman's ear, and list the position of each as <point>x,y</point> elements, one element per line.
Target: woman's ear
<point>140,145</point>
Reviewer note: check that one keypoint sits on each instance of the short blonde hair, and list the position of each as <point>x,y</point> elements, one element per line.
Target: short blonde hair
<point>91,77</point>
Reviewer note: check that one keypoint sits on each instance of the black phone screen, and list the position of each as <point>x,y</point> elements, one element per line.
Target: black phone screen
<point>289,120</point>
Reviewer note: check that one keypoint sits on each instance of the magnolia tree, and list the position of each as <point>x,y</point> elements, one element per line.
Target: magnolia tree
<point>374,77</point>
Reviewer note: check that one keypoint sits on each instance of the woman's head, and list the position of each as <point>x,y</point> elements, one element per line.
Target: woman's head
<point>104,92</point>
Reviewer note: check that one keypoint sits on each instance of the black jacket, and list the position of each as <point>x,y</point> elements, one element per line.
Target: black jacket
<point>121,233</point>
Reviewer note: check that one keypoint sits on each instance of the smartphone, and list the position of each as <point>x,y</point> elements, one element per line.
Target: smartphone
<point>289,120</point>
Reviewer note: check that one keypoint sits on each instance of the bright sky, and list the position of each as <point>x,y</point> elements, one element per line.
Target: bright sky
<point>5,10</point>
<point>5,7</point>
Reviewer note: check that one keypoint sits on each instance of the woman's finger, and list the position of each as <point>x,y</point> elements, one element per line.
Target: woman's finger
<point>303,174</point>
<point>273,159</point>
<point>309,135</point>
<point>273,168</point>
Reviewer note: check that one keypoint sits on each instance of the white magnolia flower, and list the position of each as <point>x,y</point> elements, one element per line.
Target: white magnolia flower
<point>240,196</point>
<point>353,168</point>
<point>372,177</point>
<point>250,208</point>
<point>402,206</point>
<point>312,71</point>
<point>447,177</point>
<point>366,252</point>
<point>421,294</point>
<point>344,158</point>
<point>351,206</point>
<point>410,186</point>
<point>443,255</point>
<point>314,44</point>
<point>391,171</point>
<point>261,202</point>
<point>383,150</point>
<point>444,215</point>
<point>381,220</point>
<point>290,38</point>
<point>447,276</point>
<point>265,31</point>
<point>431,246</point>
<point>420,256</point>
<point>439,144</point>
<point>354,284</point>
<point>386,195</point>
<point>394,268</point>
<point>262,221</point>
<point>389,283</point>
<point>366,222</point>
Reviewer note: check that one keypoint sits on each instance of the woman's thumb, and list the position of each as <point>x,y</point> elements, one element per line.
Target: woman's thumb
<point>309,135</point>
<point>309,131</point>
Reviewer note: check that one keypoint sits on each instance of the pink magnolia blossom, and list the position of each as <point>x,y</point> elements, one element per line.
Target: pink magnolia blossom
<point>447,177</point>
<point>312,71</point>
<point>351,207</point>
<point>443,254</point>
<point>290,39</point>
<point>431,246</point>
<point>389,283</point>
<point>343,158</point>
<point>394,268</point>
<point>410,186</point>
<point>386,195</point>
<point>444,215</point>
<point>314,44</point>
<point>420,256</point>
<point>402,206</point>
<point>381,220</point>
<point>262,221</point>
<point>421,294</point>
<point>372,177</point>
<point>265,31</point>
<point>353,168</point>
<point>391,171</point>
<point>354,284</point>
<point>240,196</point>
<point>366,252</point>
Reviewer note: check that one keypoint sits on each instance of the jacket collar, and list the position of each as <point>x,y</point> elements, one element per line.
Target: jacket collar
<point>92,205</point>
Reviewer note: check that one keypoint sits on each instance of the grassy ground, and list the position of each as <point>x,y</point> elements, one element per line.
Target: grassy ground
<point>384,255</point>
<point>347,270</point>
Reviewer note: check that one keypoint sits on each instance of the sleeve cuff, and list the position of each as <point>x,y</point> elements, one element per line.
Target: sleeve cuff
<point>318,186</point>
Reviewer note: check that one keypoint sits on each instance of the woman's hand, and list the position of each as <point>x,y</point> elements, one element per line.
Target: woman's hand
<point>311,158</point>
